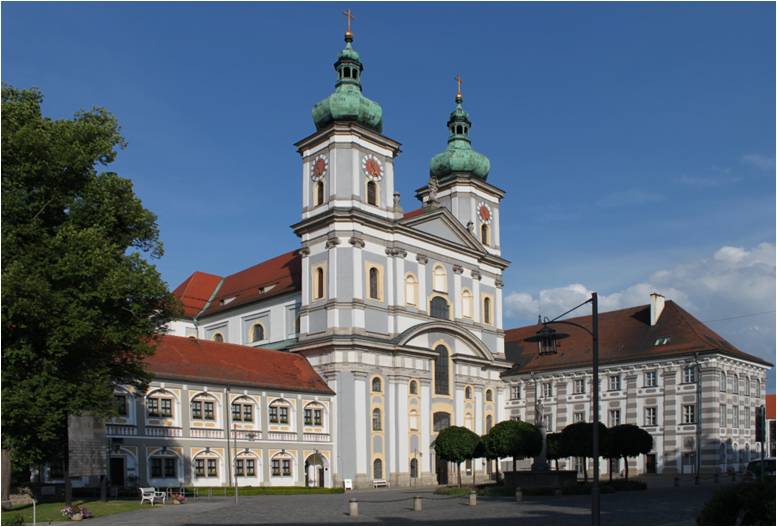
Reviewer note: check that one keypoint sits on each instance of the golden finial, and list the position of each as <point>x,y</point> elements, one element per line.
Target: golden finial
<point>459,97</point>
<point>349,16</point>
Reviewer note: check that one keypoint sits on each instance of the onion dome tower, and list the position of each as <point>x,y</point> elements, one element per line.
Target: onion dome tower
<point>347,102</point>
<point>459,158</point>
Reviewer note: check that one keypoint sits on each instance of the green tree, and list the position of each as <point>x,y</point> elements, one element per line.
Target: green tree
<point>515,439</point>
<point>485,450</point>
<point>456,444</point>
<point>577,441</point>
<point>629,441</point>
<point>553,447</point>
<point>80,304</point>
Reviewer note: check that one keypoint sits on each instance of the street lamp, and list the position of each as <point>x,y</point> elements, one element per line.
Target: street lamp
<point>548,339</point>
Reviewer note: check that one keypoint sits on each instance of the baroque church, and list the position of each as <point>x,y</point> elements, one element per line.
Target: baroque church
<point>400,312</point>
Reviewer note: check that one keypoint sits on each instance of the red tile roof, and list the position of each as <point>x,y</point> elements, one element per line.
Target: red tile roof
<point>206,361</point>
<point>413,213</point>
<point>195,291</point>
<point>273,277</point>
<point>624,335</point>
<point>770,406</point>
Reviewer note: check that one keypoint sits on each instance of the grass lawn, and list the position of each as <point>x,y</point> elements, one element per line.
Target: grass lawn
<point>49,512</point>
<point>258,491</point>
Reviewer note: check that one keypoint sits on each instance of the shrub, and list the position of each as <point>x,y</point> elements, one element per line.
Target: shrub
<point>17,519</point>
<point>743,504</point>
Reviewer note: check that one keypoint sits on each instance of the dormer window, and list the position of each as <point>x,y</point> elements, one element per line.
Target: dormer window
<point>662,341</point>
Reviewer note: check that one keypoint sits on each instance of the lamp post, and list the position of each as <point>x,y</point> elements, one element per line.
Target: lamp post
<point>548,338</point>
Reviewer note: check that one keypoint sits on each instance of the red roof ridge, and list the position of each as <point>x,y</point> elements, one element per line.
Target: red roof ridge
<point>581,317</point>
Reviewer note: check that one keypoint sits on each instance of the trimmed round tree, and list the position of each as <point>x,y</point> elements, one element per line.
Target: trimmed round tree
<point>515,439</point>
<point>553,447</point>
<point>577,441</point>
<point>630,441</point>
<point>456,444</point>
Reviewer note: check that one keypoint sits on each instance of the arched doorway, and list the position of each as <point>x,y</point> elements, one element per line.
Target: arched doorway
<point>315,471</point>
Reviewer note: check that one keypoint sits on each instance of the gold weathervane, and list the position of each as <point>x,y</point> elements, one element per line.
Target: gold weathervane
<point>349,15</point>
<point>459,82</point>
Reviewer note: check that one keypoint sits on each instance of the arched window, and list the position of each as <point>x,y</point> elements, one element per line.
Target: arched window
<point>377,422</point>
<point>413,387</point>
<point>466,303</point>
<point>489,395</point>
<point>318,198</point>
<point>314,414</point>
<point>245,466</point>
<point>487,314</point>
<point>160,403</point>
<point>257,333</point>
<point>439,279</point>
<point>243,410</point>
<point>440,421</point>
<point>489,423</point>
<point>376,385</point>
<point>439,308</point>
<point>218,337</point>
<point>203,407</point>
<point>468,392</point>
<point>757,388</point>
<point>722,381</point>
<point>281,465</point>
<point>410,290</point>
<point>484,234</point>
<point>372,193</point>
<point>377,469</point>
<point>414,468</point>
<point>279,412</point>
<point>206,465</point>
<point>441,382</point>
<point>318,283</point>
<point>374,283</point>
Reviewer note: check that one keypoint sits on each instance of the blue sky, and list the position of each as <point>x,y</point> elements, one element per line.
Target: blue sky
<point>636,142</point>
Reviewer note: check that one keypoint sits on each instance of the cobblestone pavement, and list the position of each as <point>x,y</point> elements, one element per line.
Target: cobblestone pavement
<point>665,505</point>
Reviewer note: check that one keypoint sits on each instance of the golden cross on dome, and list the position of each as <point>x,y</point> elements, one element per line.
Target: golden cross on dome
<point>349,16</point>
<point>458,86</point>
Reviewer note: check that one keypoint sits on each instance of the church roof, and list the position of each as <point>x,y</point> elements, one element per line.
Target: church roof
<point>625,335</point>
<point>274,277</point>
<point>206,361</point>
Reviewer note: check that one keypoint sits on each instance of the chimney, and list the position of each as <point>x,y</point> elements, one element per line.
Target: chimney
<point>656,307</point>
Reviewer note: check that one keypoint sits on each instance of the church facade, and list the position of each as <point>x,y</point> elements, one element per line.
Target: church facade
<point>399,312</point>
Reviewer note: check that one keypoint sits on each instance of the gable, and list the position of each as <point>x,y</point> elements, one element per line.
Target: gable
<point>441,224</point>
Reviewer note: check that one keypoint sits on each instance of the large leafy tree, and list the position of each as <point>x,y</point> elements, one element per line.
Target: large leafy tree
<point>627,441</point>
<point>456,444</point>
<point>553,447</point>
<point>577,441</point>
<point>80,303</point>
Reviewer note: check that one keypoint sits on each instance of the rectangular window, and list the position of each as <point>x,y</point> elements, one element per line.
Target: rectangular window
<point>650,416</point>
<point>722,381</point>
<point>286,464</point>
<point>240,469</point>
<point>156,467</point>
<point>735,384</point>
<point>166,407</point>
<point>547,389</point>
<point>236,415</point>
<point>547,420</point>
<point>273,414</point>
<point>614,383</point>
<point>248,413</point>
<point>196,410</point>
<point>615,417</point>
<point>153,407</point>
<point>746,417</point>
<point>250,467</point>
<point>515,392</point>
<point>578,417</point>
<point>208,410</point>
<point>276,467</point>
<point>317,417</point>
<point>689,414</point>
<point>212,470</point>
<point>689,375</point>
<point>283,415</point>
<point>121,404</point>
<point>199,468</point>
<point>723,416</point>
<point>651,379</point>
<point>308,417</point>
<point>163,467</point>
<point>735,417</point>
<point>579,386</point>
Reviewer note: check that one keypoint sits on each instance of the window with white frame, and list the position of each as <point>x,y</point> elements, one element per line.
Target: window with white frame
<point>281,466</point>
<point>243,410</point>
<point>257,332</point>
<point>689,414</point>
<point>488,310</point>
<point>689,374</point>
<point>722,381</point>
<point>651,416</point>
<point>614,383</point>
<point>723,421</point>
<point>203,408</point>
<point>245,467</point>
<point>164,467</point>
<point>122,409</point>
<point>747,386</point>
<point>314,415</point>
<point>547,390</point>
<point>547,421</point>
<point>578,417</point>
<point>279,412</point>
<point>319,283</point>
<point>515,392</point>
<point>615,417</point>
<point>734,384</point>
<point>377,421</point>
<point>206,467</point>
<point>466,303</point>
<point>159,404</point>
<point>651,379</point>
<point>578,386</point>
<point>411,290</point>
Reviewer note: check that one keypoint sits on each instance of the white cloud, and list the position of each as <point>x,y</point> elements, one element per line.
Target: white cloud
<point>759,161</point>
<point>734,281</point>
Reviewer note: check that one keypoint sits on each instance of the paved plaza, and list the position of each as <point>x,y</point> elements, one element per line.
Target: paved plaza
<point>661,505</point>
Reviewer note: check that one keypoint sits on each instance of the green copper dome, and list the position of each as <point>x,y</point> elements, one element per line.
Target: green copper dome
<point>459,157</point>
<point>347,102</point>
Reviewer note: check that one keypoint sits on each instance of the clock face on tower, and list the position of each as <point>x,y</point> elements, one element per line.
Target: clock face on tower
<point>484,213</point>
<point>319,167</point>
<point>372,167</point>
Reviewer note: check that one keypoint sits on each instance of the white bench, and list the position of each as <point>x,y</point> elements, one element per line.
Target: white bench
<point>151,495</point>
<point>380,483</point>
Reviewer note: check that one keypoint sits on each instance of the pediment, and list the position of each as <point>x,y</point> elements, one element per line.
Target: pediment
<point>440,223</point>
